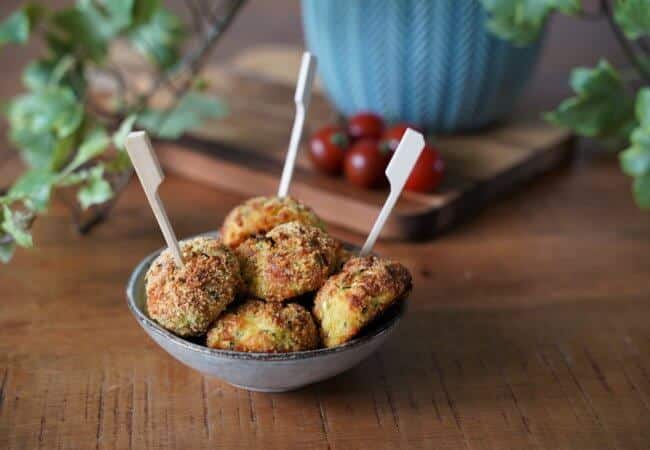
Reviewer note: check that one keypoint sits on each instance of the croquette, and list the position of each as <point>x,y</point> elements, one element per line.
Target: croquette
<point>290,260</point>
<point>261,214</point>
<point>257,326</point>
<point>351,299</point>
<point>186,300</point>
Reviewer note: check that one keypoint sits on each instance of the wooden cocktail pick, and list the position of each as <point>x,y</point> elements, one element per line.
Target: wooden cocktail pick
<point>398,170</point>
<point>302,97</point>
<point>151,177</point>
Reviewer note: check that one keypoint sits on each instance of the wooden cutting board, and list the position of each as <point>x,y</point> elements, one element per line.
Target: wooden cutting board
<point>244,153</point>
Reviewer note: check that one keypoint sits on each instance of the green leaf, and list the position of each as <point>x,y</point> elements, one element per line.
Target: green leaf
<point>641,189</point>
<point>119,137</point>
<point>96,190</point>
<point>109,17</point>
<point>75,30</point>
<point>34,188</point>
<point>54,109</point>
<point>41,73</point>
<point>601,107</point>
<point>160,38</point>
<point>93,144</point>
<point>633,16</point>
<point>188,114</point>
<point>635,160</point>
<point>40,120</point>
<point>15,224</point>
<point>521,21</point>
<point>6,250</point>
<point>143,11</point>
<point>15,28</point>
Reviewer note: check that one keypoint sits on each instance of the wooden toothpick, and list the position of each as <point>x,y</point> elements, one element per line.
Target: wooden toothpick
<point>302,98</point>
<point>398,170</point>
<point>151,176</point>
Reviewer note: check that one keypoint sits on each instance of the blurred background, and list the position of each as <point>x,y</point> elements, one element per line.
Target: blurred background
<point>568,43</point>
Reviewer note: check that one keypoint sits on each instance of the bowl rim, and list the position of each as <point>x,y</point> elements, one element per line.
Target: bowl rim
<point>153,326</point>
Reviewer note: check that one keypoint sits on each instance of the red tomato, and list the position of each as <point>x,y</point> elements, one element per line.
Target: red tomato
<point>391,137</point>
<point>427,173</point>
<point>366,163</point>
<point>327,149</point>
<point>365,125</point>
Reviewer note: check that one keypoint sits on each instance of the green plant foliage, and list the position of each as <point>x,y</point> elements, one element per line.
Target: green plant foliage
<point>601,107</point>
<point>633,16</point>
<point>160,38</point>
<point>65,142</point>
<point>521,21</point>
<point>14,223</point>
<point>635,160</point>
<point>188,114</point>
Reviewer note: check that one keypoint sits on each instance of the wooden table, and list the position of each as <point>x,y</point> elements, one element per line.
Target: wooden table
<point>528,328</point>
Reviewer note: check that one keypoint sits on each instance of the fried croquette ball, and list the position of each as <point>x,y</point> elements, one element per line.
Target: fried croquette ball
<point>258,326</point>
<point>260,214</point>
<point>351,299</point>
<point>186,300</point>
<point>290,260</point>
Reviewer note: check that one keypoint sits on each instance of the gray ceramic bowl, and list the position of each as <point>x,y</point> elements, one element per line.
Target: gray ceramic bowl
<point>267,372</point>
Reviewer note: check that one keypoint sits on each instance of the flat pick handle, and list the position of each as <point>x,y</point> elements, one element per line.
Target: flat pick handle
<point>302,98</point>
<point>151,177</point>
<point>398,170</point>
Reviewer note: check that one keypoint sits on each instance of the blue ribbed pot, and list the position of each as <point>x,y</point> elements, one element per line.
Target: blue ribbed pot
<point>429,62</point>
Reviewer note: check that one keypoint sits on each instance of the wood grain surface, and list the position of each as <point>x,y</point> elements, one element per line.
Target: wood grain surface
<point>528,327</point>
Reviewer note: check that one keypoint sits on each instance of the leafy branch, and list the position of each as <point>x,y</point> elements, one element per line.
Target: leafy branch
<point>606,105</point>
<point>67,140</point>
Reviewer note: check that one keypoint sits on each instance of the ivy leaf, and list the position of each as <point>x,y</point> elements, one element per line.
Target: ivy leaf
<point>109,17</point>
<point>15,224</point>
<point>94,143</point>
<point>96,190</point>
<point>635,160</point>
<point>41,73</point>
<point>16,28</point>
<point>119,137</point>
<point>641,189</point>
<point>34,188</point>
<point>7,251</point>
<point>521,21</point>
<point>143,10</point>
<point>601,107</point>
<point>188,114</point>
<point>633,16</point>
<point>40,119</point>
<point>77,31</point>
<point>160,38</point>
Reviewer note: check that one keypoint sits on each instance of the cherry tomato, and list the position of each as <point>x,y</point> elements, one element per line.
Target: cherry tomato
<point>391,137</point>
<point>365,125</point>
<point>427,173</point>
<point>327,149</point>
<point>365,164</point>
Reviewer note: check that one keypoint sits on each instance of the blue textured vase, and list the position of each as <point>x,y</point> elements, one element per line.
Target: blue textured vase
<point>429,62</point>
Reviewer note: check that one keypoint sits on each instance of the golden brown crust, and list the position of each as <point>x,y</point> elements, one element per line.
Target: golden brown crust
<point>290,260</point>
<point>260,214</point>
<point>186,300</point>
<point>257,326</point>
<point>351,299</point>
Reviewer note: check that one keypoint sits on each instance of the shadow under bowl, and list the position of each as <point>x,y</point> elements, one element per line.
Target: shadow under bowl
<point>265,372</point>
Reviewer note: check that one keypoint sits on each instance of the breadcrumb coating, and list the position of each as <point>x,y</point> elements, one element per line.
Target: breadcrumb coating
<point>257,326</point>
<point>186,300</point>
<point>362,291</point>
<point>290,260</point>
<point>260,214</point>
